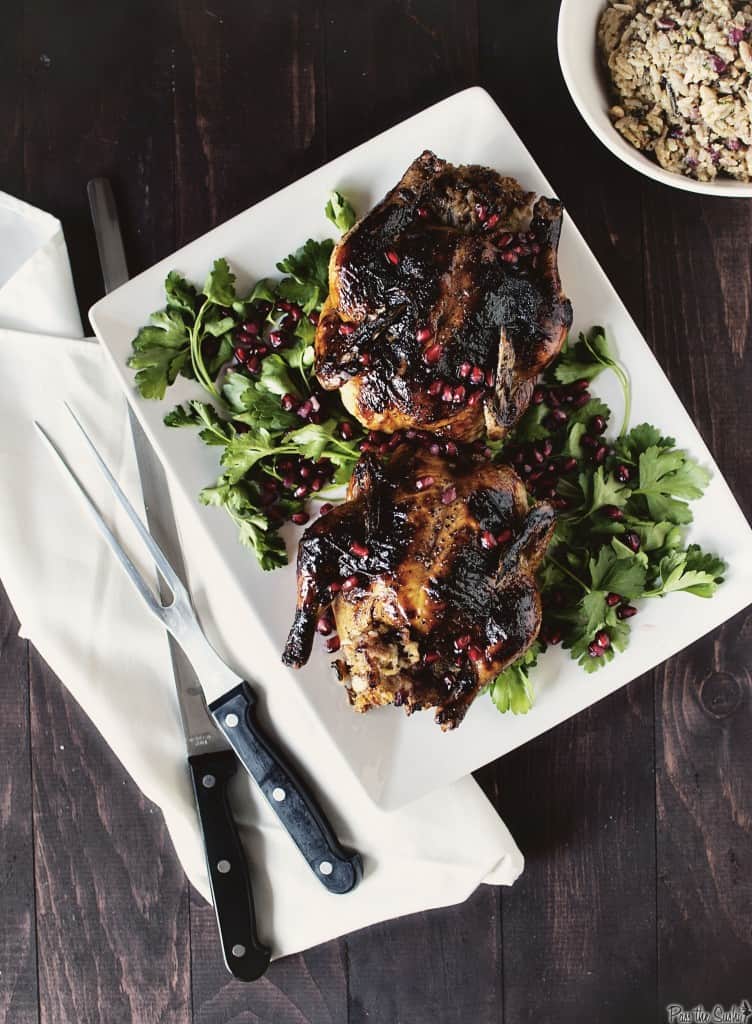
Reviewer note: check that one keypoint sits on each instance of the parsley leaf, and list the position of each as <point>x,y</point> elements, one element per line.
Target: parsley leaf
<point>160,352</point>
<point>511,690</point>
<point>308,270</point>
<point>667,475</point>
<point>339,212</point>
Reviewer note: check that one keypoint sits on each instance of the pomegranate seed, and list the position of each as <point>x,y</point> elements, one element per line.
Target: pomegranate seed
<point>432,354</point>
<point>288,402</point>
<point>600,455</point>
<point>582,399</point>
<point>326,507</point>
<point>301,491</point>
<point>350,583</point>
<point>435,387</point>
<point>424,334</point>
<point>581,384</point>
<point>569,464</point>
<point>334,588</point>
<point>612,512</point>
<point>538,456</point>
<point>447,394</point>
<point>304,409</point>
<point>315,403</point>
<point>364,358</point>
<point>475,654</point>
<point>477,375</point>
<point>613,599</point>
<point>665,23</point>
<point>509,256</point>
<point>346,328</point>
<point>492,221</point>
<point>317,484</point>
<point>626,611</point>
<point>435,449</point>
<point>482,212</point>
<point>603,639</point>
<point>313,316</point>
<point>594,650</point>
<point>392,257</point>
<point>597,425</point>
<point>346,431</point>
<point>553,398</point>
<point>324,624</point>
<point>276,340</point>
<point>504,240</point>
<point>305,472</point>
<point>557,417</point>
<point>461,642</point>
<point>289,481</point>
<point>422,482</point>
<point>332,644</point>
<point>464,371</point>
<point>448,495</point>
<point>546,447</point>
<point>422,211</point>
<point>430,657</point>
<point>489,378</point>
<point>488,541</point>
<point>475,398</point>
<point>622,473</point>
<point>504,537</point>
<point>632,540</point>
<point>240,354</point>
<point>588,441</point>
<point>552,635</point>
<point>458,395</point>
<point>451,448</point>
<point>538,395</point>
<point>718,64</point>
<point>359,550</point>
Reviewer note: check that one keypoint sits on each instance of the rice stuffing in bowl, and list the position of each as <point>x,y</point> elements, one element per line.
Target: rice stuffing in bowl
<point>681,78</point>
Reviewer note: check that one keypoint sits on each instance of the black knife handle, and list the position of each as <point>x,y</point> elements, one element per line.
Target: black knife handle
<point>338,869</point>
<point>246,958</point>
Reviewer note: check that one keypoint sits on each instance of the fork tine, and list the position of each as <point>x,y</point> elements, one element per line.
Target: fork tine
<point>160,559</point>
<point>134,575</point>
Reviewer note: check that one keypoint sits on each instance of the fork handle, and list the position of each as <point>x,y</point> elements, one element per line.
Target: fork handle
<point>339,870</point>
<point>245,956</point>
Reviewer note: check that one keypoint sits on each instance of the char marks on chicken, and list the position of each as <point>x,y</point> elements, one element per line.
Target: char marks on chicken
<point>444,303</point>
<point>428,572</point>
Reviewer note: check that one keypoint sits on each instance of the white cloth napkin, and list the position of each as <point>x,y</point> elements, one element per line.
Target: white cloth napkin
<point>80,612</point>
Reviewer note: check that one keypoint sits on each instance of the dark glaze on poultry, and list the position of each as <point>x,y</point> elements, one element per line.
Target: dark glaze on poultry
<point>444,303</point>
<point>439,557</point>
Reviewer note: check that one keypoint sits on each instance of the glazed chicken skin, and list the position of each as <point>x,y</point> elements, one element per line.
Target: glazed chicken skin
<point>427,572</point>
<point>444,304</point>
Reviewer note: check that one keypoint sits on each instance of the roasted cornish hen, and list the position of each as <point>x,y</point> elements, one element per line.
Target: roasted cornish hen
<point>427,574</point>
<point>444,303</point>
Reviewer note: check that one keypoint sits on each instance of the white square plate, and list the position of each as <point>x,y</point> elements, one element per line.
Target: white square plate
<point>395,758</point>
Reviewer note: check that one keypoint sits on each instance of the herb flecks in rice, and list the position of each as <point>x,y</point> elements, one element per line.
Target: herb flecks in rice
<point>681,74</point>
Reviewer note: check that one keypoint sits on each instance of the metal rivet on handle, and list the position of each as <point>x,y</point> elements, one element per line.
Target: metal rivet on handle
<point>326,867</point>
<point>278,794</point>
<point>223,866</point>
<point>231,720</point>
<point>208,781</point>
<point>238,950</point>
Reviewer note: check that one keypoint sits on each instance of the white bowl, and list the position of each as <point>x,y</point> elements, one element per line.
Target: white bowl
<point>580,65</point>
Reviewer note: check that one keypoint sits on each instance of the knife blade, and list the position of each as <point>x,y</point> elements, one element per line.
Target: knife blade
<point>211,761</point>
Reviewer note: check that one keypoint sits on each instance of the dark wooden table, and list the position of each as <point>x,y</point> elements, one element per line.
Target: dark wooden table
<point>635,817</point>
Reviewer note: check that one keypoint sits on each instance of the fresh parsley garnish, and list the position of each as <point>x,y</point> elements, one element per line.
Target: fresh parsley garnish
<point>623,510</point>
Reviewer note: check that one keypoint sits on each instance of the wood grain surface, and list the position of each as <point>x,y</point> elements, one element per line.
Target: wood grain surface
<point>636,816</point>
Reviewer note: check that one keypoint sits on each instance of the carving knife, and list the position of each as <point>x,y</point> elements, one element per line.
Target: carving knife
<point>338,869</point>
